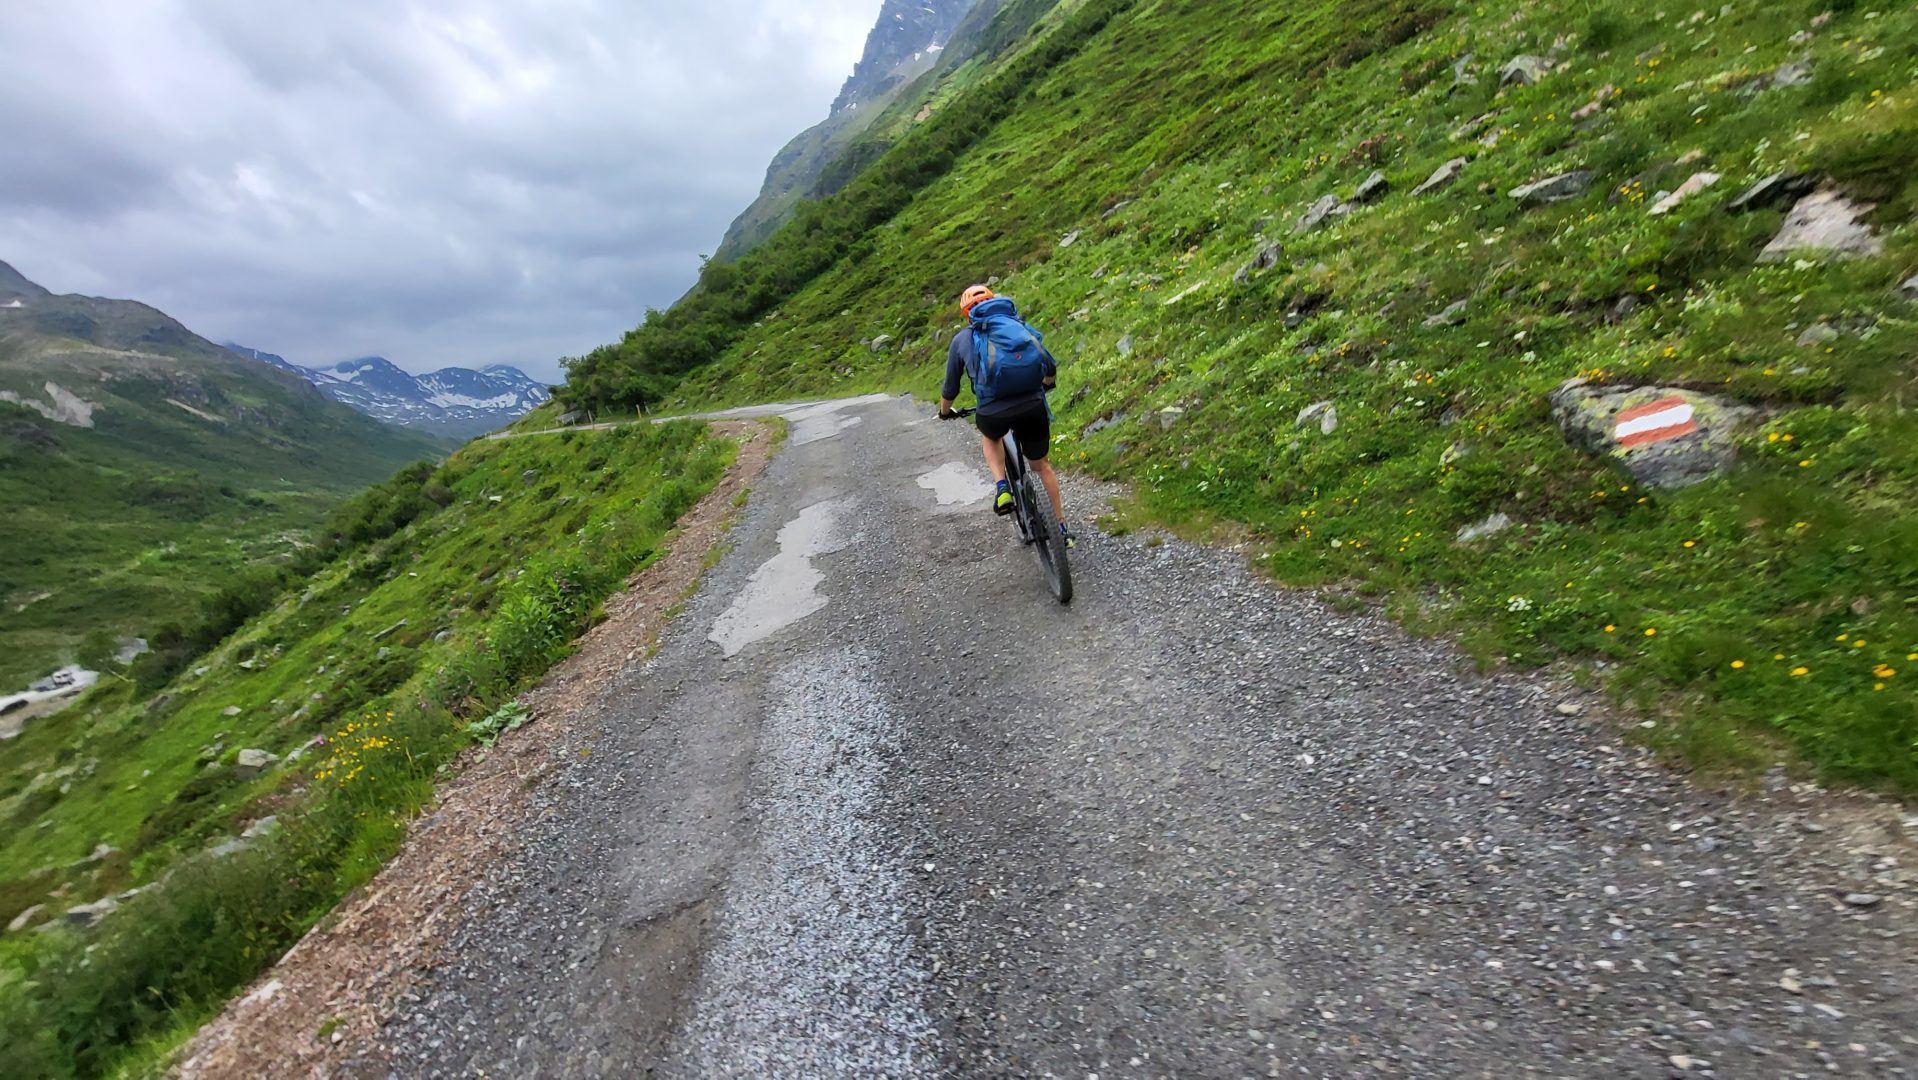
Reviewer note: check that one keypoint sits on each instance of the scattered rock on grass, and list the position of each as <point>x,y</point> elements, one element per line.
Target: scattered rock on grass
<point>1267,258</point>
<point>1491,526</point>
<point>1909,290</point>
<point>251,764</point>
<point>1371,188</point>
<point>1796,73</point>
<point>1662,436</point>
<point>1322,211</point>
<point>1325,412</point>
<point>26,918</point>
<point>1125,345</point>
<point>1824,223</point>
<point>1443,177</point>
<point>88,914</point>
<point>1453,314</point>
<point>1697,183</point>
<point>881,343</point>
<point>1818,334</point>
<point>1774,190</point>
<point>1524,71</point>
<point>1169,416</point>
<point>1474,127</point>
<point>1597,104</point>
<point>1554,188</point>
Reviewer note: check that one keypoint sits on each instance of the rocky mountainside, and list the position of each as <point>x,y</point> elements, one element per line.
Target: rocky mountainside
<point>141,463</point>
<point>909,38</point>
<point>453,402</point>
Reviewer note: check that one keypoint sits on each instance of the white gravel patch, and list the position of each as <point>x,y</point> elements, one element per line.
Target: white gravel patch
<point>811,971</point>
<point>785,589</point>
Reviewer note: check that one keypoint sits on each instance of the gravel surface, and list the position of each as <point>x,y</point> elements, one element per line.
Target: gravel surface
<point>1191,825</point>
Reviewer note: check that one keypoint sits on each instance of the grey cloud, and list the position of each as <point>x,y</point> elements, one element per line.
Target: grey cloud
<point>467,181</point>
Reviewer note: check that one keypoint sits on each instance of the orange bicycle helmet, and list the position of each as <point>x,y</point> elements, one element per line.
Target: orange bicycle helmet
<point>974,294</point>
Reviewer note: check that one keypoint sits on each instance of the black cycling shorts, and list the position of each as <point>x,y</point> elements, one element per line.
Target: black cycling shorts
<point>1031,422</point>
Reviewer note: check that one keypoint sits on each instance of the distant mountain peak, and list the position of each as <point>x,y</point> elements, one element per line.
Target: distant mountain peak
<point>455,401</point>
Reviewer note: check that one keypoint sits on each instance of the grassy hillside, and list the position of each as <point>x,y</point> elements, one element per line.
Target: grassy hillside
<point>395,642</point>
<point>196,466</point>
<point>1117,178</point>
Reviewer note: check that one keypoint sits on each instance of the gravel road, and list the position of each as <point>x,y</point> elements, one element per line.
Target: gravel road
<point>880,807</point>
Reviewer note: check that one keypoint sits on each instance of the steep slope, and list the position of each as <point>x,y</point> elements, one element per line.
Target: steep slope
<point>139,463</point>
<point>909,38</point>
<point>453,403</point>
<point>1373,376</point>
<point>204,808</point>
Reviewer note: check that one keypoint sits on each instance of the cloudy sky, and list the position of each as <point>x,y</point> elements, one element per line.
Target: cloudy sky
<point>435,181</point>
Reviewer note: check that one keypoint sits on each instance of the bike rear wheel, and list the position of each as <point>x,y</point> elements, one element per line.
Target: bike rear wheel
<point>1046,541</point>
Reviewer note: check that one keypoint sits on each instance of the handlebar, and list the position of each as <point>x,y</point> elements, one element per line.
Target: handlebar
<point>958,414</point>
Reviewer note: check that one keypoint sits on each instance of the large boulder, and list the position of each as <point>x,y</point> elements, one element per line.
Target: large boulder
<point>1824,224</point>
<point>1661,436</point>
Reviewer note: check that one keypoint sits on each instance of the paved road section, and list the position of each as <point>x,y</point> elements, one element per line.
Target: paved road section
<point>880,807</point>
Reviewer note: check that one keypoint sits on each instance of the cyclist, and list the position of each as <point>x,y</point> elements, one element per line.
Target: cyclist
<point>1025,415</point>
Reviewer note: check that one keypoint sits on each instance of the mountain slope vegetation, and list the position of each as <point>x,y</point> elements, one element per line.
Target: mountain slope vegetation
<point>1370,386</point>
<point>140,464</point>
<point>205,806</point>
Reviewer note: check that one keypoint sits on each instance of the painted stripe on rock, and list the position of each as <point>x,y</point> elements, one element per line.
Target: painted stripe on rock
<point>1667,418</point>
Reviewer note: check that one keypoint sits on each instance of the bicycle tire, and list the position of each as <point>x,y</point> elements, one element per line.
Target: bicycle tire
<point>1050,549</point>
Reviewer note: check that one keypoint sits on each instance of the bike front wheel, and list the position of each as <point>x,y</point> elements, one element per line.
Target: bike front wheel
<point>1047,542</point>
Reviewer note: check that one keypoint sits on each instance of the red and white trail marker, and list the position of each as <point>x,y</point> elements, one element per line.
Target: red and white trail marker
<point>1666,418</point>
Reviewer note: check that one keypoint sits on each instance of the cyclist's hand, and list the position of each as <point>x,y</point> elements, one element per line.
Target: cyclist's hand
<point>947,414</point>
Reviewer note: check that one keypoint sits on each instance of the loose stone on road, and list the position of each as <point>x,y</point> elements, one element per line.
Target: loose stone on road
<point>880,807</point>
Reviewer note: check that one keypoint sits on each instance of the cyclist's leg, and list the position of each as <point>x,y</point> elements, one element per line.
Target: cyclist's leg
<point>992,432</point>
<point>1034,429</point>
<point>1044,468</point>
<point>995,459</point>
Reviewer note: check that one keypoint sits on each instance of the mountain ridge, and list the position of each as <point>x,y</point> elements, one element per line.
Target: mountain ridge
<point>455,402</point>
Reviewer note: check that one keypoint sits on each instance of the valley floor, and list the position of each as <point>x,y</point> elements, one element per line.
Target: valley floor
<point>878,806</point>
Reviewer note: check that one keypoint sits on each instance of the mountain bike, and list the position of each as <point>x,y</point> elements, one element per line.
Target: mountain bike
<point>1032,512</point>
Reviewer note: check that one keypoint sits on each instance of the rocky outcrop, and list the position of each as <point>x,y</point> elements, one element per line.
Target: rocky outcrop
<point>62,407</point>
<point>1824,224</point>
<point>1661,436</point>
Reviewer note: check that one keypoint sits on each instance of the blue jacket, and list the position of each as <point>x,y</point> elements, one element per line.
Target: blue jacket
<point>959,358</point>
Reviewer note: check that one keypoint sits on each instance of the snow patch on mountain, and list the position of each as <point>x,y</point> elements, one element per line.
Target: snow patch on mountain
<point>458,402</point>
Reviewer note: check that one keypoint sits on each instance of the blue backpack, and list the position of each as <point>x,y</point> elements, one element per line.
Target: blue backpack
<point>1009,358</point>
